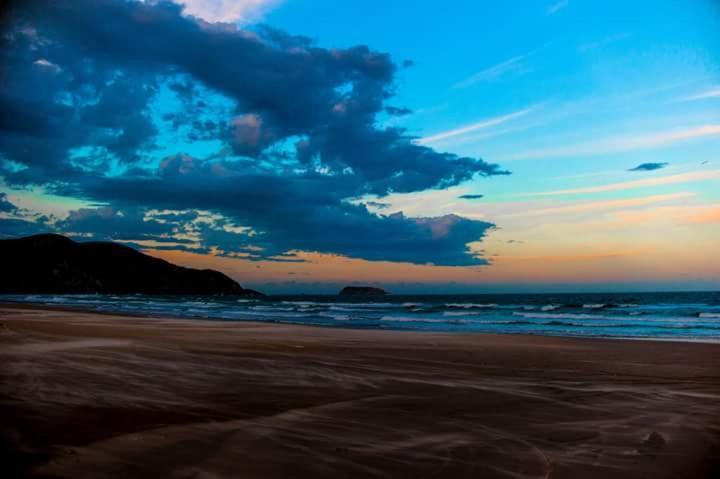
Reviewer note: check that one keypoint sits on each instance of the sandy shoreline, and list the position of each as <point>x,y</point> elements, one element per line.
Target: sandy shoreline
<point>98,395</point>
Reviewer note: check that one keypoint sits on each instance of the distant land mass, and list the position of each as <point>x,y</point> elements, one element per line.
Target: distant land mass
<point>362,291</point>
<point>54,264</point>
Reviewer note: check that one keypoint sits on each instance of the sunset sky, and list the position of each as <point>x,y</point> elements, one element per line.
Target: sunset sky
<point>299,145</point>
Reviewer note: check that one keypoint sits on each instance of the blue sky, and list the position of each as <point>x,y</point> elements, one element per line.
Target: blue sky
<point>583,72</point>
<point>295,165</point>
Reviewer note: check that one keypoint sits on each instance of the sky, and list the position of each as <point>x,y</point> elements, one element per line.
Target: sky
<point>302,145</point>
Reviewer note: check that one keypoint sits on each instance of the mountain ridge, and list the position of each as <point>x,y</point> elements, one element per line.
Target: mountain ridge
<point>56,264</point>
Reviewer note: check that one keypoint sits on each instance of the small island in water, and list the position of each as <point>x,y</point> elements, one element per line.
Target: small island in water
<point>362,291</point>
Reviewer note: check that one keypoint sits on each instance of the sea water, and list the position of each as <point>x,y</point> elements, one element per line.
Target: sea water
<point>681,316</point>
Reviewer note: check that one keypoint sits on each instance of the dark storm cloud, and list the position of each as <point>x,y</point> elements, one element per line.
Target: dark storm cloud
<point>56,98</point>
<point>649,167</point>
<point>470,197</point>
<point>294,214</point>
<point>79,77</point>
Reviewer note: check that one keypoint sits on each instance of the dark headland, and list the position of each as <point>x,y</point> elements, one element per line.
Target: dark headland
<point>362,291</point>
<point>54,264</point>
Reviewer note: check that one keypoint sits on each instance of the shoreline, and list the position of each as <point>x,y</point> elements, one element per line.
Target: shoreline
<point>343,326</point>
<point>104,395</point>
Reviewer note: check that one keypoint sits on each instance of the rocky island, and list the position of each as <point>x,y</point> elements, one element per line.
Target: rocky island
<point>55,264</point>
<point>362,291</point>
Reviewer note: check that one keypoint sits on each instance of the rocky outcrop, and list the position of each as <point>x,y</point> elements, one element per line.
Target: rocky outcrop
<point>54,264</point>
<point>362,291</point>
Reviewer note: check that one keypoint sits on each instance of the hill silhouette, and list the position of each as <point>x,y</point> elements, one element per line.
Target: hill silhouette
<point>50,263</point>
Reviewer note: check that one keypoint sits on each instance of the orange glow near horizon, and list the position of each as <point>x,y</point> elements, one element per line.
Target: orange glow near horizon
<point>592,253</point>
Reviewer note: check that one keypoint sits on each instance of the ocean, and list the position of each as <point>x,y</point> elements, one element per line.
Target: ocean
<point>680,316</point>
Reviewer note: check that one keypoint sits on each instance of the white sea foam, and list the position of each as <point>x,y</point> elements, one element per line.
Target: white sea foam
<point>555,315</point>
<point>462,313</point>
<point>470,305</point>
<point>405,319</point>
<point>586,316</point>
<point>336,317</point>
<point>551,307</point>
<point>270,308</point>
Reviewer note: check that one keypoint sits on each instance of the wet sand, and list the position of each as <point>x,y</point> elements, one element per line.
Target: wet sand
<point>96,396</point>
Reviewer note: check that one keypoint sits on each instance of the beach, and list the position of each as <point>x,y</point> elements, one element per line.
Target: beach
<point>100,395</point>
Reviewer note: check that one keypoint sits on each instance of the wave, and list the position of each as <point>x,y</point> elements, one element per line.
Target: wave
<point>336,317</point>
<point>652,317</point>
<point>470,306</point>
<point>462,313</point>
<point>551,307</point>
<point>605,306</point>
<point>405,319</point>
<point>556,315</point>
<point>413,305</point>
<point>271,308</point>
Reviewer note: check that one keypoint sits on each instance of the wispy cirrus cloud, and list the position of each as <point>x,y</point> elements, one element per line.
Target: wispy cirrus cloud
<point>622,143</point>
<point>556,7</point>
<point>628,185</point>
<point>494,72</point>
<point>704,95</point>
<point>708,214</point>
<point>587,206</point>
<point>444,135</point>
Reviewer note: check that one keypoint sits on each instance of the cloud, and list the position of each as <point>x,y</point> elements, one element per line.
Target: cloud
<point>585,207</point>
<point>622,143</point>
<point>16,221</point>
<point>396,111</point>
<point>42,63</point>
<point>378,204</point>
<point>5,205</point>
<point>294,140</point>
<point>556,7</point>
<point>226,10</point>
<point>494,72</point>
<point>107,223</point>
<point>16,227</point>
<point>471,197</point>
<point>628,185</point>
<point>649,167</point>
<point>294,216</point>
<point>704,95</point>
<point>692,214</point>
<point>473,127</point>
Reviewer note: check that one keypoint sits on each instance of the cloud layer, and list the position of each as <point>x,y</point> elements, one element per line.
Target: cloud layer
<point>296,142</point>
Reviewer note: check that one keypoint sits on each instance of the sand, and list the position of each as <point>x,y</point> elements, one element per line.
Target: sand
<point>94,395</point>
